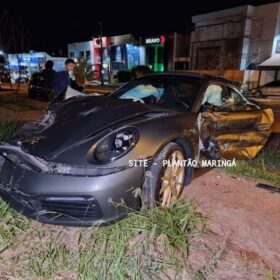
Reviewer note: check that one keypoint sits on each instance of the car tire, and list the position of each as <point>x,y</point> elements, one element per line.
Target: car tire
<point>156,187</point>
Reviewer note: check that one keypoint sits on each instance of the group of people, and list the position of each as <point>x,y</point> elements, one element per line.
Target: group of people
<point>57,82</point>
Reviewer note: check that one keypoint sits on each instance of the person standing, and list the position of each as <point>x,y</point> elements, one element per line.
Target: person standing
<point>49,77</point>
<point>64,79</point>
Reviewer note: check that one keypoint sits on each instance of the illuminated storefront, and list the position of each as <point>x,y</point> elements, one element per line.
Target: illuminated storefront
<point>127,56</point>
<point>155,53</point>
<point>26,64</point>
<point>125,53</point>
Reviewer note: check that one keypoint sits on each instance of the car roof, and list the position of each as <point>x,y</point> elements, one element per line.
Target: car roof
<point>192,75</point>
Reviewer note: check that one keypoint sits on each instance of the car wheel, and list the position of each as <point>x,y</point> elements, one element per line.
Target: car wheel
<point>164,183</point>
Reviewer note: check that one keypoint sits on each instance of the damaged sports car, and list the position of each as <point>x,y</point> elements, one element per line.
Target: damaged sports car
<point>91,159</point>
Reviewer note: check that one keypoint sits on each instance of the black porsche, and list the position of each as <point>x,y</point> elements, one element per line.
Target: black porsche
<point>91,159</point>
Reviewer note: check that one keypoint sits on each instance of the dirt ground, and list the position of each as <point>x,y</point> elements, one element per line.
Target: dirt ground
<point>18,107</point>
<point>242,224</point>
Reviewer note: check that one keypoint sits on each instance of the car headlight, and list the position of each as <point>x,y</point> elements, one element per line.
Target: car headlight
<point>115,145</point>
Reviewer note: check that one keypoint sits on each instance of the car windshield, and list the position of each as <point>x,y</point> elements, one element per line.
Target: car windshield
<point>177,93</point>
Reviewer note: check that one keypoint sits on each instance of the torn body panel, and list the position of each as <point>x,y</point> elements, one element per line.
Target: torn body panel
<point>239,135</point>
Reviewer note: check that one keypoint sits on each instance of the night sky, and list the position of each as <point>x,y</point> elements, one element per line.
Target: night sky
<point>51,27</point>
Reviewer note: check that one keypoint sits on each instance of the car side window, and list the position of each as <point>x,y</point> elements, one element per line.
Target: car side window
<point>213,96</point>
<point>219,97</point>
<point>187,93</point>
<point>233,100</point>
<point>179,94</point>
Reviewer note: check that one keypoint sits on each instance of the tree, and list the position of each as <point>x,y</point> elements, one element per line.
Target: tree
<point>13,37</point>
<point>83,71</point>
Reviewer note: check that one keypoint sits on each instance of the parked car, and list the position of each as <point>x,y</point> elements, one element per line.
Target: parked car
<point>4,73</point>
<point>36,87</point>
<point>92,158</point>
<point>22,80</point>
<point>268,89</point>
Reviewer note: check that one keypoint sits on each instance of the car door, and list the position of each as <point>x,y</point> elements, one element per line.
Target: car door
<point>233,127</point>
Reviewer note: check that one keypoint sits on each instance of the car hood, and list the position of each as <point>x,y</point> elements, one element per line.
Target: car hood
<point>65,124</point>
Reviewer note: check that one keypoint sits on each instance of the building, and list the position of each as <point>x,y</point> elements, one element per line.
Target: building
<point>125,53</point>
<point>90,51</point>
<point>178,51</point>
<point>235,38</point>
<point>98,46</point>
<point>82,50</point>
<point>155,52</point>
<point>167,52</point>
<point>28,63</point>
<point>121,52</point>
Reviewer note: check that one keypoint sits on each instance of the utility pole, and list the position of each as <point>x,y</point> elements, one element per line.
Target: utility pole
<point>101,54</point>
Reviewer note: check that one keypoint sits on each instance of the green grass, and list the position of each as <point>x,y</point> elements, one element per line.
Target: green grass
<point>152,244</point>
<point>8,128</point>
<point>265,167</point>
<point>271,275</point>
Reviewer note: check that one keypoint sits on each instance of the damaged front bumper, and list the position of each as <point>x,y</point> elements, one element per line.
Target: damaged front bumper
<point>69,195</point>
